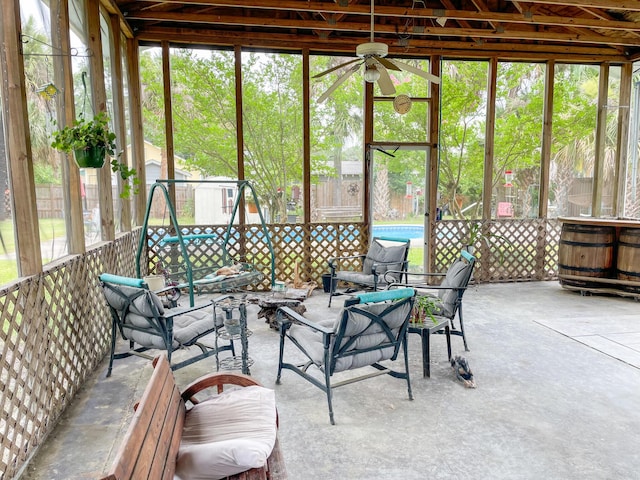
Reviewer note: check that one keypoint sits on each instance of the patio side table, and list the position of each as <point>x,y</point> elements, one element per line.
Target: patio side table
<point>425,330</point>
<point>234,312</point>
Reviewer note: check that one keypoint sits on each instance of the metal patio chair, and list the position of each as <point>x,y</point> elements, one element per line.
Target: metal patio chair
<point>445,304</point>
<point>139,316</point>
<point>385,253</point>
<point>370,328</point>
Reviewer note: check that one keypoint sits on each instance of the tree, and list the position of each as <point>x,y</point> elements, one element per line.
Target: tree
<point>203,104</point>
<point>462,126</point>
<point>574,124</point>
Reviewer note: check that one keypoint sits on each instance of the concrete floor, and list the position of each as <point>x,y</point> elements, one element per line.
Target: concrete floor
<point>557,397</point>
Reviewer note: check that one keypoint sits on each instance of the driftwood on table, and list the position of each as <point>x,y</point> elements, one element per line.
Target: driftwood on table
<point>269,308</point>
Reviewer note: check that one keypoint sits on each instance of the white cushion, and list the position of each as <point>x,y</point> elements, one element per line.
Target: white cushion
<point>228,434</point>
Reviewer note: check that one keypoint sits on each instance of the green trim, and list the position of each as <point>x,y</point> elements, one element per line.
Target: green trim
<point>381,296</point>
<point>468,256</point>
<point>393,239</point>
<point>119,280</point>
<point>195,236</point>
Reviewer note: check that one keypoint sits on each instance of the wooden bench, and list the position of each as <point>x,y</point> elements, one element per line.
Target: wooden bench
<point>151,444</point>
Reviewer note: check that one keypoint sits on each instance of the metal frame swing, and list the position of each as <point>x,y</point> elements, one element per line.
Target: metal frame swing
<point>180,239</point>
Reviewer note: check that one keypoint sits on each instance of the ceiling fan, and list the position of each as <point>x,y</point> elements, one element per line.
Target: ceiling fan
<point>372,55</point>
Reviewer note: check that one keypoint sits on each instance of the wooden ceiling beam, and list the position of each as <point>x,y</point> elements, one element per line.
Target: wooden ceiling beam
<point>416,48</point>
<point>500,33</point>
<point>364,9</point>
<point>629,5</point>
<point>527,17</point>
<point>112,8</point>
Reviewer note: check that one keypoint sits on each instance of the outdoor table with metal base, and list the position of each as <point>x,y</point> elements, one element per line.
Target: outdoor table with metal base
<point>229,305</point>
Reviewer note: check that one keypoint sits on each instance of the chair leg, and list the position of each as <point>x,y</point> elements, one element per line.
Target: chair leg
<point>282,338</point>
<point>464,338</point>
<point>113,347</point>
<point>426,363</point>
<point>329,395</point>
<point>447,332</point>
<point>406,366</point>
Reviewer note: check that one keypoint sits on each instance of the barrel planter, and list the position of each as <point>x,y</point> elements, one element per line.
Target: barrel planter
<point>628,261</point>
<point>586,250</point>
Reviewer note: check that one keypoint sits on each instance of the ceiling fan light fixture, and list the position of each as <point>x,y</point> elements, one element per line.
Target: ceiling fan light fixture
<point>365,50</point>
<point>371,74</point>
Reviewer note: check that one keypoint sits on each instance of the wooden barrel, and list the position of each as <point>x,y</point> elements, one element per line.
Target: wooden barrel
<point>586,250</point>
<point>628,263</point>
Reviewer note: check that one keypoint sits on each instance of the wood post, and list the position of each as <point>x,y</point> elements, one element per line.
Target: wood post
<point>431,195</point>
<point>622,146</point>
<point>137,133</point>
<point>18,146</point>
<point>489,150</point>
<point>168,120</point>
<point>99,97</point>
<point>65,115</point>
<point>601,140</point>
<point>118,117</point>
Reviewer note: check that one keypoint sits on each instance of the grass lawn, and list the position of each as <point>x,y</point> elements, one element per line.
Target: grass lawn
<point>49,228</point>
<point>8,271</point>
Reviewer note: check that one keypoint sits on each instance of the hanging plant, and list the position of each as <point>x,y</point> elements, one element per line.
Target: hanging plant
<point>90,141</point>
<point>87,139</point>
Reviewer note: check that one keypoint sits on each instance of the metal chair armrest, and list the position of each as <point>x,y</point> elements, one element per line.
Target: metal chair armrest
<point>424,286</point>
<point>174,312</point>
<point>292,315</point>
<point>407,274</point>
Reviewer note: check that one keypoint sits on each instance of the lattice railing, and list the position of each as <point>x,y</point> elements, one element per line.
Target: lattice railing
<point>55,331</point>
<point>56,327</point>
<point>307,246</point>
<point>515,250</point>
<point>529,254</point>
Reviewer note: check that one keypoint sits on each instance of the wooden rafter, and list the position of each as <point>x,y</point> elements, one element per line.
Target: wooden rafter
<point>446,27</point>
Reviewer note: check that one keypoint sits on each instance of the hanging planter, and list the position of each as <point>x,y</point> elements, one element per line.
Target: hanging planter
<point>90,141</point>
<point>90,157</point>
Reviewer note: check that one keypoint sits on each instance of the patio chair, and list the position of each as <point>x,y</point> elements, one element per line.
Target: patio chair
<point>370,328</point>
<point>139,316</point>
<point>385,253</point>
<point>445,303</point>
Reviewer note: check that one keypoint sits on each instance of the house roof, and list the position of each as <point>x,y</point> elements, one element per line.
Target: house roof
<point>184,173</point>
<point>576,30</point>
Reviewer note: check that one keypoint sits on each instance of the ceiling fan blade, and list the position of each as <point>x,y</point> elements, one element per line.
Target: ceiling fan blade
<point>385,83</point>
<point>411,69</point>
<point>337,67</point>
<point>337,83</point>
<point>386,63</point>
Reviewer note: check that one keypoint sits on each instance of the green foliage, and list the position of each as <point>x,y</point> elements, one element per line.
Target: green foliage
<point>205,122</point>
<point>44,173</point>
<point>84,134</point>
<point>423,308</point>
<point>462,132</point>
